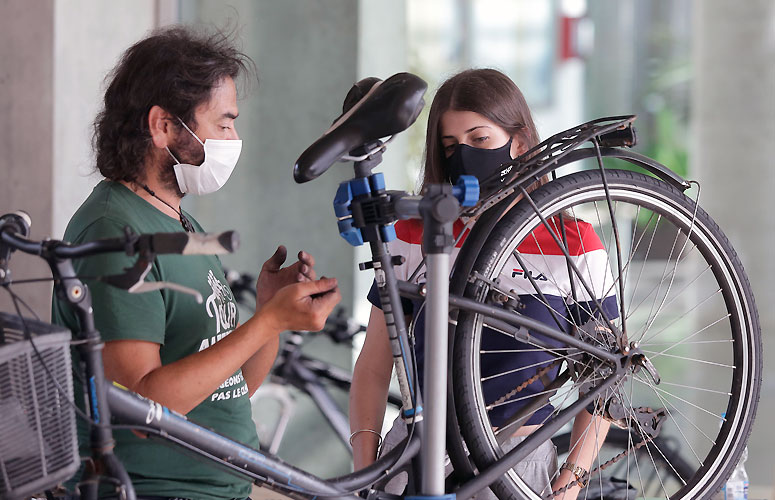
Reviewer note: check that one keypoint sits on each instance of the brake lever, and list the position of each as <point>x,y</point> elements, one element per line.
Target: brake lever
<point>133,279</point>
<point>150,286</point>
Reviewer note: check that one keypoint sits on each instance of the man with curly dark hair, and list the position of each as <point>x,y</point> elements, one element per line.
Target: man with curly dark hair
<point>167,129</point>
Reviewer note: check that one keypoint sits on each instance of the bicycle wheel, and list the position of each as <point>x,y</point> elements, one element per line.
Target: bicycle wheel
<point>670,281</point>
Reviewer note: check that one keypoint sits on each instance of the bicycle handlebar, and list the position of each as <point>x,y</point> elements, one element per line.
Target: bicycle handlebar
<point>14,229</point>
<point>158,243</point>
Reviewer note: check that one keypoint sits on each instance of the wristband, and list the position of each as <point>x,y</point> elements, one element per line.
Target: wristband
<point>578,472</point>
<point>379,443</point>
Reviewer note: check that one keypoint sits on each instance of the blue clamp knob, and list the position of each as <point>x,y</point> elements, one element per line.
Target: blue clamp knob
<point>360,186</point>
<point>388,233</point>
<point>377,181</point>
<point>351,234</point>
<point>466,190</point>
<point>342,200</point>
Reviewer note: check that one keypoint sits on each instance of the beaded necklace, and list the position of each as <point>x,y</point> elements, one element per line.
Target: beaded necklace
<point>183,219</point>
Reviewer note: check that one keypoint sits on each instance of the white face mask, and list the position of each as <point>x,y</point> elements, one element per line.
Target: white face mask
<point>220,158</point>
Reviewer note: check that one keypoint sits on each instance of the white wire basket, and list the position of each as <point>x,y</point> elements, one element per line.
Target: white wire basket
<point>38,443</point>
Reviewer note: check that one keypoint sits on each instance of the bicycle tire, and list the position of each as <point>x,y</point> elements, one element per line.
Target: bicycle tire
<point>723,324</point>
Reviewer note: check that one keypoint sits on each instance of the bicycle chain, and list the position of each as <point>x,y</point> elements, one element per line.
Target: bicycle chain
<point>540,373</point>
<point>586,477</point>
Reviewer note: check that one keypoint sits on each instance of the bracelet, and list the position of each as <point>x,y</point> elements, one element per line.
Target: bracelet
<point>379,443</point>
<point>579,472</point>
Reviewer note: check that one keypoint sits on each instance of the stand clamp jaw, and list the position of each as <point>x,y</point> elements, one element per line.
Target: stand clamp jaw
<point>366,211</point>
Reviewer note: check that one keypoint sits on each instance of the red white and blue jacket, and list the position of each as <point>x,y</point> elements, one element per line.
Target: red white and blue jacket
<point>506,362</point>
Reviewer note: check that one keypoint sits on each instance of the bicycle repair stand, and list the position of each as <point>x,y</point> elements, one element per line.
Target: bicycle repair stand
<point>366,212</point>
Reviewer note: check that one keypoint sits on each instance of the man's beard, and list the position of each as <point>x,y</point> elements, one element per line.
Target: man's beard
<point>187,150</point>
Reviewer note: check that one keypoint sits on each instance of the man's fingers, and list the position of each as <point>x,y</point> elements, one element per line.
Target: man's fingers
<point>306,258</point>
<point>276,260</point>
<point>306,273</point>
<point>317,287</point>
<point>329,299</point>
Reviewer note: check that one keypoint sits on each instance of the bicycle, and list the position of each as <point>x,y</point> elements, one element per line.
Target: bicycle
<point>597,368</point>
<point>311,376</point>
<point>632,212</point>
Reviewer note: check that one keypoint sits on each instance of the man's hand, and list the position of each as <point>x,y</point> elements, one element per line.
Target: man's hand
<point>273,277</point>
<point>303,306</point>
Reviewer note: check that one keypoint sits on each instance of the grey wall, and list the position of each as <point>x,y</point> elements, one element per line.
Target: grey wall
<point>26,137</point>
<point>307,57</point>
<point>306,54</point>
<point>733,155</point>
<point>88,40</point>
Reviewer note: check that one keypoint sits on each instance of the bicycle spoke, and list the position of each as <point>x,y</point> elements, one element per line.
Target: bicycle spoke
<point>538,348</point>
<point>540,298</point>
<point>694,360</point>
<point>516,370</point>
<point>664,457</point>
<point>694,342</point>
<point>657,287</point>
<point>658,390</point>
<point>646,256</point>
<point>633,245</point>
<point>651,457</point>
<point>630,445</point>
<point>672,277</point>
<point>705,328</point>
<point>695,388</point>
<point>688,284</point>
<point>678,427</point>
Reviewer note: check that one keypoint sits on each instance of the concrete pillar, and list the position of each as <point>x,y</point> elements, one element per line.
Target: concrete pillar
<point>89,38</point>
<point>307,60</point>
<point>733,153</point>
<point>26,140</point>
<point>610,67</point>
<point>308,55</point>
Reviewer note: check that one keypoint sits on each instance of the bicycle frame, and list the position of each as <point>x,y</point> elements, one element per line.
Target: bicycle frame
<point>134,410</point>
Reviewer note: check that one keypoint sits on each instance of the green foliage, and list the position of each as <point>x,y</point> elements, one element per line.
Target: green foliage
<point>668,146</point>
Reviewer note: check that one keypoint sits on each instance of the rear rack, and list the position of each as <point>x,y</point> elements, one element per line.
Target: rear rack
<point>612,131</point>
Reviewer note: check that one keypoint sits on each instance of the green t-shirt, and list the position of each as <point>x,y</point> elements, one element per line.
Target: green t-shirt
<point>174,321</point>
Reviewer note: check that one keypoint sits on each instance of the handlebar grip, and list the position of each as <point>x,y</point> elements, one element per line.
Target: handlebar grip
<point>195,243</point>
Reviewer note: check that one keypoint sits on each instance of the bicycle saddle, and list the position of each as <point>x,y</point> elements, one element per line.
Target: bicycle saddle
<point>386,108</point>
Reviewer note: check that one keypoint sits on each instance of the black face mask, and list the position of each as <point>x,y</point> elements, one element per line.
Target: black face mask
<point>481,163</point>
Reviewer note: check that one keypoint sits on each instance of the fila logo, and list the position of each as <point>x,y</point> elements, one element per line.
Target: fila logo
<point>519,272</point>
